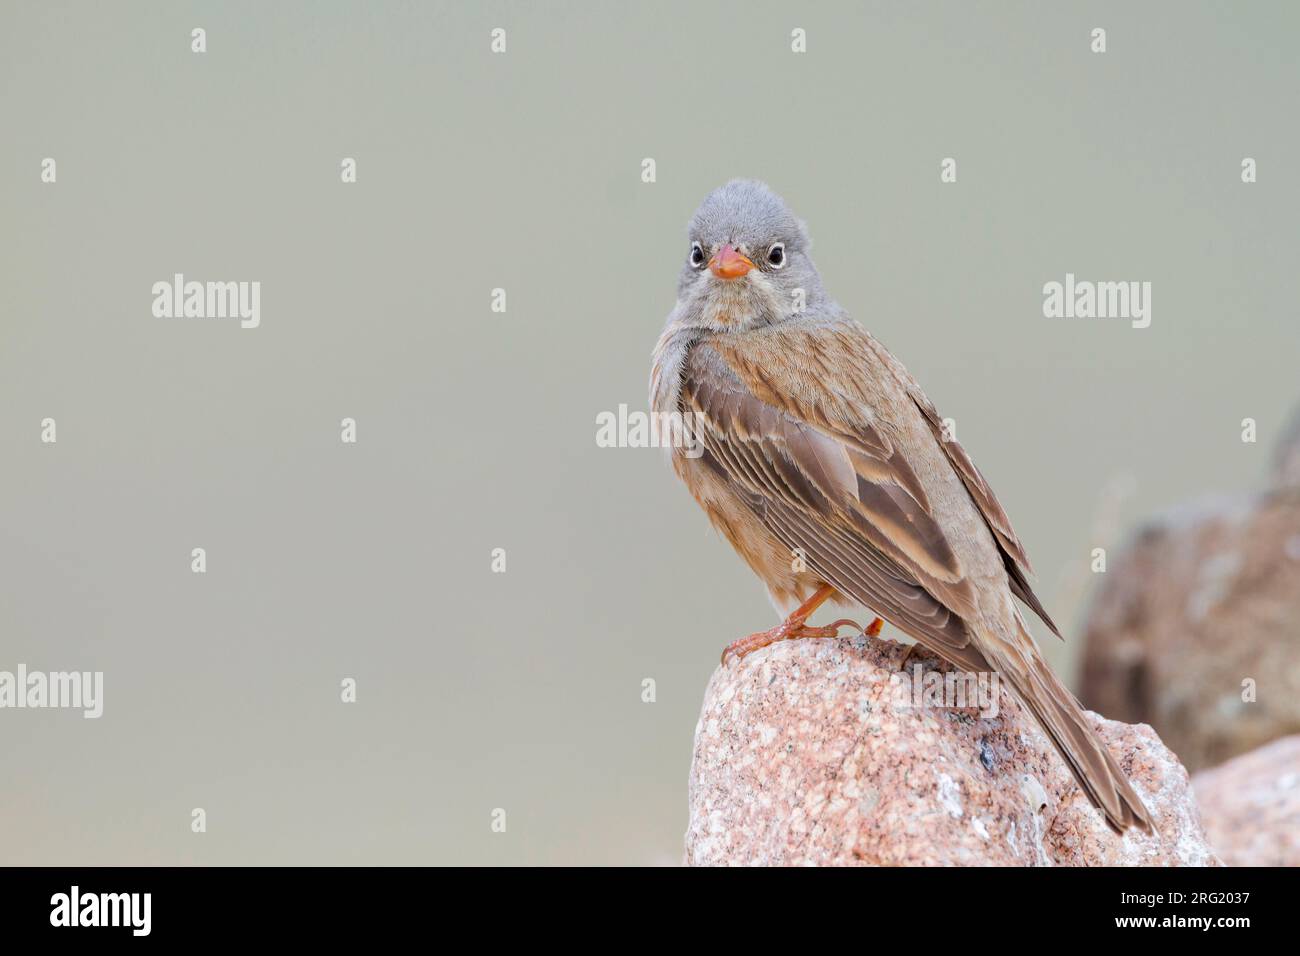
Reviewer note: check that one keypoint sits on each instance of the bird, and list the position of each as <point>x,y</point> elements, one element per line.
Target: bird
<point>818,457</point>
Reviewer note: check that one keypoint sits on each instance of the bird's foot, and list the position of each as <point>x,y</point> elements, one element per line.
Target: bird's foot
<point>785,631</point>
<point>790,630</point>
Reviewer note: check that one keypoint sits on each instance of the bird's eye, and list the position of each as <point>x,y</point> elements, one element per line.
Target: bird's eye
<point>776,255</point>
<point>697,254</point>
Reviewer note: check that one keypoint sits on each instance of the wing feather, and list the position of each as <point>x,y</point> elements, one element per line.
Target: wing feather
<point>851,513</point>
<point>1013,553</point>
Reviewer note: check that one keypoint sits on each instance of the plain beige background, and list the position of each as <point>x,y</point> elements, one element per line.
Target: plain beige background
<point>477,430</point>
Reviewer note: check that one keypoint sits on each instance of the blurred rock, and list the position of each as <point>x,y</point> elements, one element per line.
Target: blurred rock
<point>805,754</point>
<point>1200,613</point>
<point>1286,458</point>
<point>1251,806</point>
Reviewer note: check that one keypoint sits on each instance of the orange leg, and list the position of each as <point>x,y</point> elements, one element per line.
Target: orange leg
<point>795,626</point>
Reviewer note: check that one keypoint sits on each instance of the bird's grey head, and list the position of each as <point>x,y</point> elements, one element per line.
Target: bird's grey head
<point>747,262</point>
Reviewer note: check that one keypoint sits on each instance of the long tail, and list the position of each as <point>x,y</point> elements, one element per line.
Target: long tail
<point>1093,765</point>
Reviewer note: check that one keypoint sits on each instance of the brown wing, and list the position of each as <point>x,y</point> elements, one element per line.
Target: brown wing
<point>1013,553</point>
<point>850,501</point>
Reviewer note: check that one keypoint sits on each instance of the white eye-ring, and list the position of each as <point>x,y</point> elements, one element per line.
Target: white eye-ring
<point>776,255</point>
<point>697,255</point>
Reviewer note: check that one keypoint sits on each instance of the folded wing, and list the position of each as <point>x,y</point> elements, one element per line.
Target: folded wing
<point>849,499</point>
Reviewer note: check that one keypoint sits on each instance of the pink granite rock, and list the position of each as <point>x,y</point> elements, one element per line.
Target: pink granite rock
<point>813,752</point>
<point>1251,806</point>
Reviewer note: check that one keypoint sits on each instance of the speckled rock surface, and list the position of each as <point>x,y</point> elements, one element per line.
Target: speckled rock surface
<point>811,752</point>
<point>1251,806</point>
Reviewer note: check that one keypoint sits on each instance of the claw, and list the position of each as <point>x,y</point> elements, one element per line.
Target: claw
<point>907,656</point>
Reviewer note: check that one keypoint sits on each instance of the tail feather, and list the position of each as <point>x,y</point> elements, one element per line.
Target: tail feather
<point>1063,720</point>
<point>1093,765</point>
